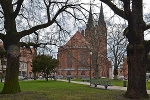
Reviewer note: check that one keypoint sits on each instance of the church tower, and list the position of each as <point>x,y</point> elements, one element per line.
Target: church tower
<point>89,27</point>
<point>101,21</point>
<point>96,35</point>
<point>102,32</point>
<point>96,32</point>
<point>90,23</point>
<point>74,56</point>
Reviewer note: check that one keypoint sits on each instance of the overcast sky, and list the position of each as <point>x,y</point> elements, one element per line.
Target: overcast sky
<point>108,13</point>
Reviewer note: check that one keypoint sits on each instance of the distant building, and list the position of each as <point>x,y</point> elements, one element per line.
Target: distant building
<point>124,68</point>
<point>2,61</point>
<point>25,60</point>
<point>74,57</point>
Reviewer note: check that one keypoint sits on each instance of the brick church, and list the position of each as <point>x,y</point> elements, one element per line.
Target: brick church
<point>85,53</point>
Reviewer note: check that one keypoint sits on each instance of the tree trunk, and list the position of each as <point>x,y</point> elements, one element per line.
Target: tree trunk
<point>136,59</point>
<point>34,75</point>
<point>96,72</point>
<point>136,52</point>
<point>46,77</point>
<point>11,84</point>
<point>115,71</point>
<point>94,63</point>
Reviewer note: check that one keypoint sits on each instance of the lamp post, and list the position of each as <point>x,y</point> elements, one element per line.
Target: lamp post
<point>90,66</point>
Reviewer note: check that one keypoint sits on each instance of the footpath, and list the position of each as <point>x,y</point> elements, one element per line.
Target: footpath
<point>99,86</point>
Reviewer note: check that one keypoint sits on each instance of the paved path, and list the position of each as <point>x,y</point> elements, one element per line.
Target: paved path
<point>102,87</point>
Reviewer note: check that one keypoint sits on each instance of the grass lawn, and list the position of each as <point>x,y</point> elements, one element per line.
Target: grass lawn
<point>114,82</point>
<point>119,82</point>
<point>57,90</point>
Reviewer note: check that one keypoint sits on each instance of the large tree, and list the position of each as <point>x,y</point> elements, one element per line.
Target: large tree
<point>138,48</point>
<point>19,18</point>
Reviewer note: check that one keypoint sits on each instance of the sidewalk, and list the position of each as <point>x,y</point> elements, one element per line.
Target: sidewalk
<point>102,87</point>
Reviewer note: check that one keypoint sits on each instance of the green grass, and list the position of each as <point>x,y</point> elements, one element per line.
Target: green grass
<point>148,85</point>
<point>56,90</point>
<point>114,82</point>
<point>119,82</point>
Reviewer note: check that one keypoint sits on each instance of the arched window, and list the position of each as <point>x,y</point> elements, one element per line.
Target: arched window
<point>70,60</point>
<point>82,58</point>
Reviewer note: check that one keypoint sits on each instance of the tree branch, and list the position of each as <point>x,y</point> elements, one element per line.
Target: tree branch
<point>19,3</point>
<point>2,36</point>
<point>115,8</point>
<point>33,29</point>
<point>147,27</point>
<point>50,22</point>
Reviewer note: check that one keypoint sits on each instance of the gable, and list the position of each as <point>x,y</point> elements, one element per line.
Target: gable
<point>77,41</point>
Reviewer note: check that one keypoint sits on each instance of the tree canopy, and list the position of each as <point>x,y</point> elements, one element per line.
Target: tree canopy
<point>44,64</point>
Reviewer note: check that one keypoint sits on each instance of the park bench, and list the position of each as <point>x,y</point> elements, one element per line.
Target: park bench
<point>85,79</point>
<point>104,83</point>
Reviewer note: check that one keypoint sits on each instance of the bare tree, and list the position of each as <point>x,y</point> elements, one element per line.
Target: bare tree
<point>138,48</point>
<point>117,44</point>
<point>20,18</point>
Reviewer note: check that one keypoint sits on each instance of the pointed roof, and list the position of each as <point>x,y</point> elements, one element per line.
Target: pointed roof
<point>77,41</point>
<point>90,19</point>
<point>101,14</point>
<point>101,21</point>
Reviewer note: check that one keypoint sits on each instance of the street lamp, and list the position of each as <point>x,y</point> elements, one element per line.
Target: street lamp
<point>90,66</point>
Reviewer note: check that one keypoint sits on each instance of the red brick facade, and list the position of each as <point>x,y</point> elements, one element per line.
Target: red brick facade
<point>75,58</point>
<point>25,60</point>
<point>124,68</point>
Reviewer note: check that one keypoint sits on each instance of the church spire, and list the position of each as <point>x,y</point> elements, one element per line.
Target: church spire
<point>90,19</point>
<point>101,21</point>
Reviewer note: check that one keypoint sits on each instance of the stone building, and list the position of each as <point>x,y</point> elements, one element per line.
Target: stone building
<point>75,58</point>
